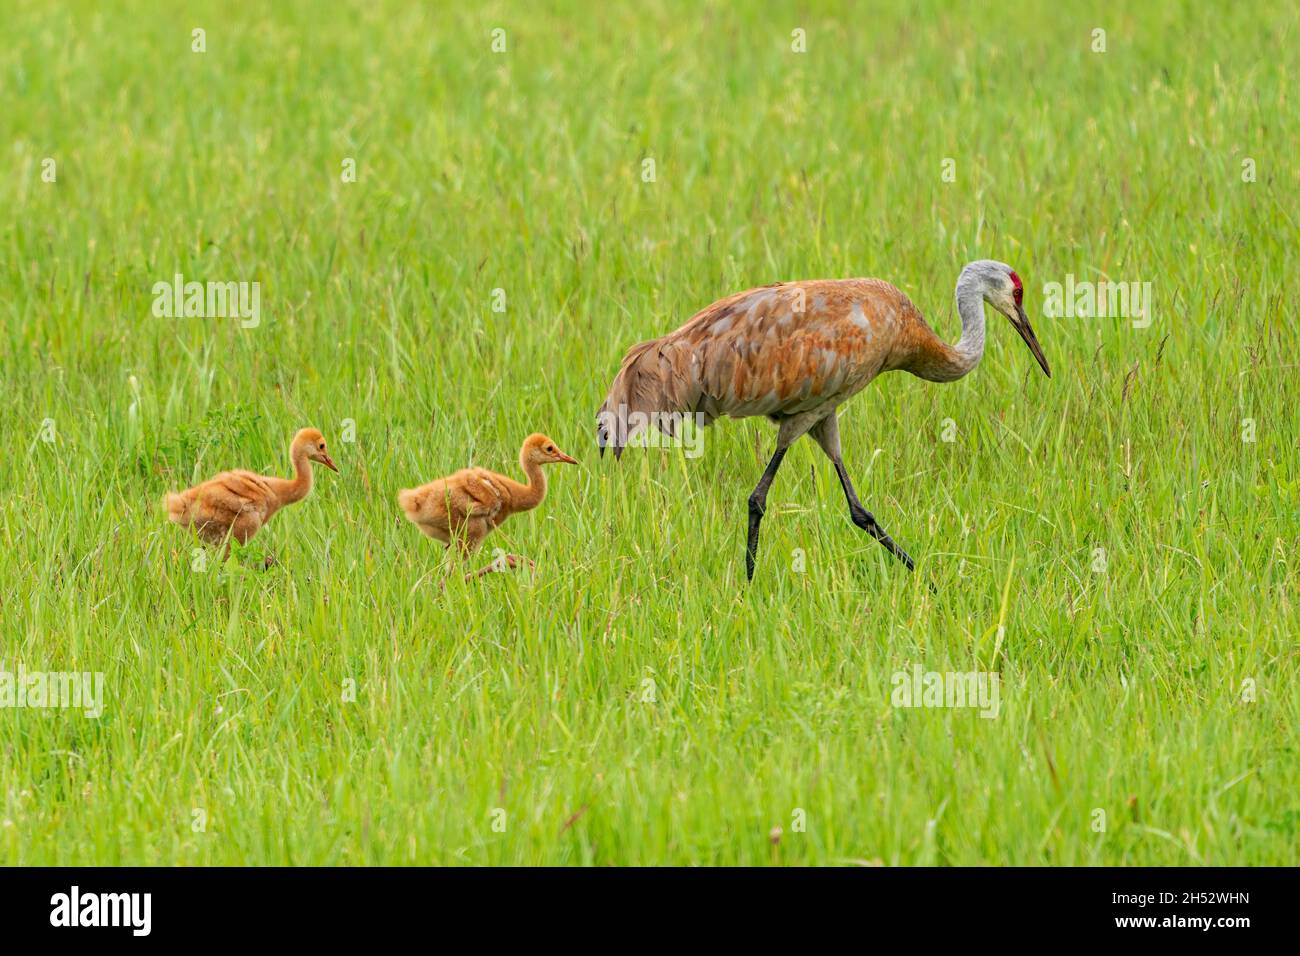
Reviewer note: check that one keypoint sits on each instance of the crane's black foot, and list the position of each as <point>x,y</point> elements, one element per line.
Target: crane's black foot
<point>867,522</point>
<point>898,552</point>
<point>751,547</point>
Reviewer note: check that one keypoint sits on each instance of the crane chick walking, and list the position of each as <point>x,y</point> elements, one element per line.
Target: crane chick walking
<point>794,352</point>
<point>236,504</point>
<point>466,506</point>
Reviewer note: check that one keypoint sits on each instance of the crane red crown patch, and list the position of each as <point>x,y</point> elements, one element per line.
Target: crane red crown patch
<point>1015,280</point>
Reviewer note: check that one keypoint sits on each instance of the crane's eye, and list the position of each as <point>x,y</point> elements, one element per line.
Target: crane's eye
<point>322,446</point>
<point>1019,294</point>
<point>551,449</point>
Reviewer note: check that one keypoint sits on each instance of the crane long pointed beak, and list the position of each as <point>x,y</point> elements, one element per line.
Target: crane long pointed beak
<point>1021,323</point>
<point>561,456</point>
<point>328,462</point>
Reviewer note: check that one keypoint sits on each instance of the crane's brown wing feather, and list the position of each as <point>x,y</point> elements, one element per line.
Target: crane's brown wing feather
<point>230,495</point>
<point>483,496</point>
<point>777,350</point>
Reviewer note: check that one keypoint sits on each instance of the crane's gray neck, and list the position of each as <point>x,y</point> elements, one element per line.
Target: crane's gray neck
<point>935,360</point>
<point>970,306</point>
<point>945,363</point>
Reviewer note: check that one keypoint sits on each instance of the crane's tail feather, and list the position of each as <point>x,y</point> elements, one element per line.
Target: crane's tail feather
<point>408,499</point>
<point>656,385</point>
<point>178,508</point>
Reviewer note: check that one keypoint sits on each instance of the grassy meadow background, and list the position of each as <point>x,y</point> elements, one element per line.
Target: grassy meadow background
<point>1126,690</point>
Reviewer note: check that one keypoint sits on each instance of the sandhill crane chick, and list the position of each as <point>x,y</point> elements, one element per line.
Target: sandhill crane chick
<point>236,504</point>
<point>465,507</point>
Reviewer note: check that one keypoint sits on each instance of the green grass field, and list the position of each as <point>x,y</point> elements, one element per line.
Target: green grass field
<point>1121,543</point>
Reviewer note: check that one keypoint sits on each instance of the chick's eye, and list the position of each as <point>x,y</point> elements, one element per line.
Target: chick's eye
<point>322,444</point>
<point>550,448</point>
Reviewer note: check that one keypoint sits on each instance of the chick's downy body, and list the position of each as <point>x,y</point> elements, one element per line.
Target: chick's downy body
<point>464,507</point>
<point>236,504</point>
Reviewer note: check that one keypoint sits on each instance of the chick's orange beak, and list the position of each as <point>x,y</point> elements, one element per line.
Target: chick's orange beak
<point>328,462</point>
<point>561,456</point>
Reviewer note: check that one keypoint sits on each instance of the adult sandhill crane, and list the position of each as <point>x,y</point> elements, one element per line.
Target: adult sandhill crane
<point>794,352</point>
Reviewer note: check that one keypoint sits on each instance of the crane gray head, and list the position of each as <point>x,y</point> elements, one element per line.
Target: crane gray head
<point>1001,288</point>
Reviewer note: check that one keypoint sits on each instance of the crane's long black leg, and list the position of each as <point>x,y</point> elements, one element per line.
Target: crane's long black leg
<point>827,434</point>
<point>865,520</point>
<point>757,505</point>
